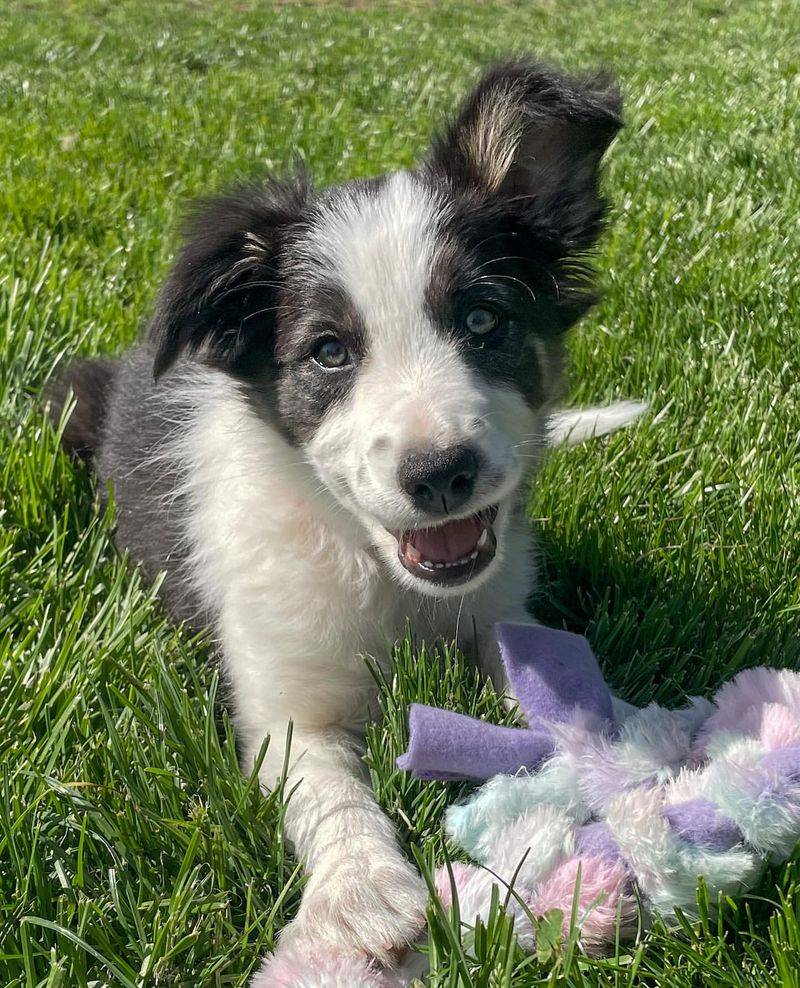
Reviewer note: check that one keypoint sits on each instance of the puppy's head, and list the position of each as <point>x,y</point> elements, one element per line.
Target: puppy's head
<point>407,331</point>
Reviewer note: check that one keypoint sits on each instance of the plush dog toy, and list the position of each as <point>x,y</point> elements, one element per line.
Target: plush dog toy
<point>632,804</point>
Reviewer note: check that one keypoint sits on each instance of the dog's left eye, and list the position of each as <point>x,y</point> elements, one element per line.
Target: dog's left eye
<point>332,354</point>
<point>481,321</point>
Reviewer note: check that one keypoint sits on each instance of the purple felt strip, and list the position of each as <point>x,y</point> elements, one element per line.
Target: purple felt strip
<point>552,672</point>
<point>698,821</point>
<point>446,745</point>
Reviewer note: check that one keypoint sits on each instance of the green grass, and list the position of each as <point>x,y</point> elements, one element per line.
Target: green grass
<point>132,852</point>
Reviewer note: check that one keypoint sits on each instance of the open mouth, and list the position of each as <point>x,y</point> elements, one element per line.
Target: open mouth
<point>452,553</point>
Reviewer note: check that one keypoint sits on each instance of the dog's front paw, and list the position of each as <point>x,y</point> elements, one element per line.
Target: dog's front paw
<point>372,904</point>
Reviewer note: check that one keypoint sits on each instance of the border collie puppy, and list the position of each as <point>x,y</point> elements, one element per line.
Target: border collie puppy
<point>326,431</point>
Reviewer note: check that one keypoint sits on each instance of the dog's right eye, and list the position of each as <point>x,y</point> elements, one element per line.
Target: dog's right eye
<point>332,354</point>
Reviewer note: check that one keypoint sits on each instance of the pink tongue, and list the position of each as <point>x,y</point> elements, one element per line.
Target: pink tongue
<point>449,542</point>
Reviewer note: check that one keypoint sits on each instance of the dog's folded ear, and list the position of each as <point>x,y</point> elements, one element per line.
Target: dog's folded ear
<point>221,296</point>
<point>532,139</point>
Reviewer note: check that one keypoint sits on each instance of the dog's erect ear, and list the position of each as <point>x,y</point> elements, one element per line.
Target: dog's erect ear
<point>221,296</point>
<point>532,139</point>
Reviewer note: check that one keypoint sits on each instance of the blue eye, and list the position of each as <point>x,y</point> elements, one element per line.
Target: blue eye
<point>481,321</point>
<point>332,354</point>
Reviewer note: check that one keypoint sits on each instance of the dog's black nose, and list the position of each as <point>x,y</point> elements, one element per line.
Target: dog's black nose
<point>439,480</point>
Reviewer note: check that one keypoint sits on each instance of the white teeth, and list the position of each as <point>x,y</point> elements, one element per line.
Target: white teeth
<point>456,562</point>
<point>483,538</point>
<point>415,558</point>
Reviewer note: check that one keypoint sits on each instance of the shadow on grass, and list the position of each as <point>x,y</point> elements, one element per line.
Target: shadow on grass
<point>657,637</point>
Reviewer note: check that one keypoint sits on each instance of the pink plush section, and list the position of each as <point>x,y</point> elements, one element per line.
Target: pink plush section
<point>462,875</point>
<point>314,967</point>
<point>474,887</point>
<point>602,894</point>
<point>780,727</point>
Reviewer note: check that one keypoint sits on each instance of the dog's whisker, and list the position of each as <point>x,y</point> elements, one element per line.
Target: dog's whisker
<point>508,277</point>
<point>245,287</point>
<point>495,236</point>
<point>505,257</point>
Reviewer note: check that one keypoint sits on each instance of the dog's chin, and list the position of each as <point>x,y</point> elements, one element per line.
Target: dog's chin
<point>450,558</point>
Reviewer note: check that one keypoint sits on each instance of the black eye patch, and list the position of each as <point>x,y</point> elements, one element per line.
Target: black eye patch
<point>312,314</point>
<point>498,353</point>
<point>312,371</point>
<point>487,262</point>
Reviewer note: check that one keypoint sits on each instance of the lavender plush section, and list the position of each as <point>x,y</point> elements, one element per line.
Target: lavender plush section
<point>698,821</point>
<point>596,840</point>
<point>552,672</point>
<point>446,745</point>
<point>785,762</point>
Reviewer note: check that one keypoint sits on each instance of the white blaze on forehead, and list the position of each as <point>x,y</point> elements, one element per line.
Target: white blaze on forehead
<point>413,386</point>
<point>379,245</point>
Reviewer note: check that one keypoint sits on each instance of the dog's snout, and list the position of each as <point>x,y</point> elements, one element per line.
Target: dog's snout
<point>439,480</point>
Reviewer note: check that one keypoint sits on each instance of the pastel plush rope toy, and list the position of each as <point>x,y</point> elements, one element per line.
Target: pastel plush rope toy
<point>638,802</point>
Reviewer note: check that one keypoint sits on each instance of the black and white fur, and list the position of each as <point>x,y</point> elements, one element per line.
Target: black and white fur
<point>268,487</point>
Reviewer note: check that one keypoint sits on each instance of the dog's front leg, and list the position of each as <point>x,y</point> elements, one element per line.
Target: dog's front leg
<point>362,894</point>
<point>295,660</point>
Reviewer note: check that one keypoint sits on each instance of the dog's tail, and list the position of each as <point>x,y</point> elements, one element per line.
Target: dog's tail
<point>89,382</point>
<point>576,425</point>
